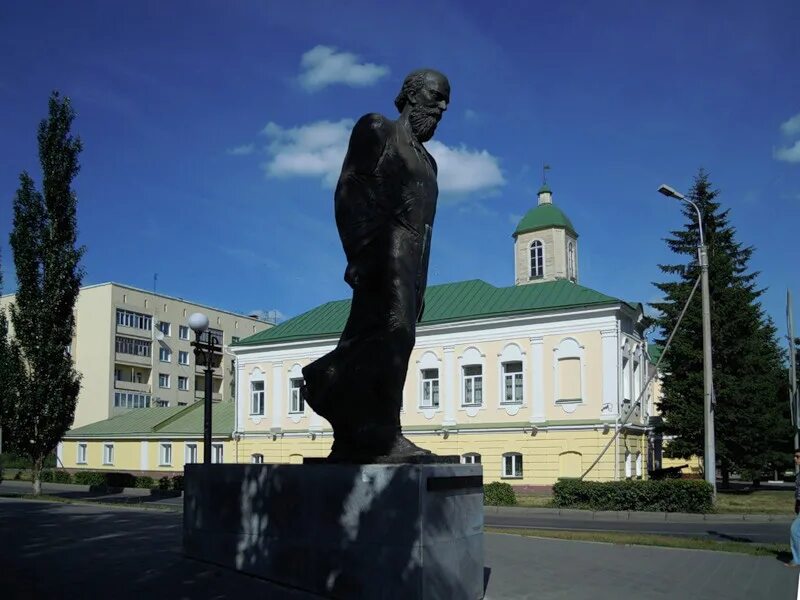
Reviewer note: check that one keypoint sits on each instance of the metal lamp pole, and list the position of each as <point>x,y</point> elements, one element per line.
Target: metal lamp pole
<point>199,324</point>
<point>710,457</point>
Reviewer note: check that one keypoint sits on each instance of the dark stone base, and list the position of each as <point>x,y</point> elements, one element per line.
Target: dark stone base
<point>420,459</point>
<point>342,531</point>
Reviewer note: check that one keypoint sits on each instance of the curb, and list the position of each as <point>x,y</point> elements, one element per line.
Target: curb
<point>642,516</point>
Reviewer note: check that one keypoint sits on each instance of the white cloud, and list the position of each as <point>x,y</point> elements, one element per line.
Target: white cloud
<point>317,150</point>
<point>242,150</point>
<point>470,115</point>
<point>464,171</point>
<point>791,155</point>
<point>792,126</point>
<point>323,66</point>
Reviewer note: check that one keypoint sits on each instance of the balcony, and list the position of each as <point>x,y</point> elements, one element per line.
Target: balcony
<point>215,396</point>
<point>131,386</point>
<point>132,359</point>
<point>134,332</point>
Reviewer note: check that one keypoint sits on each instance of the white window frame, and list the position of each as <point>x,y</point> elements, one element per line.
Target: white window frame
<point>183,357</point>
<point>297,405</point>
<point>166,379</point>
<point>165,454</point>
<point>513,375</point>
<point>183,332</point>
<point>82,448</point>
<point>470,458</point>
<point>257,459</point>
<point>628,464</point>
<point>217,453</point>
<point>190,453</point>
<point>164,354</point>
<point>108,453</point>
<point>468,386</point>
<point>258,398</point>
<point>165,327</point>
<point>515,471</point>
<point>540,259</point>
<point>185,380</point>
<point>638,464</point>
<point>433,386</point>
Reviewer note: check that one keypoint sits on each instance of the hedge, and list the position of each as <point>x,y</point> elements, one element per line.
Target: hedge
<point>56,476</point>
<point>499,493</point>
<point>668,495</point>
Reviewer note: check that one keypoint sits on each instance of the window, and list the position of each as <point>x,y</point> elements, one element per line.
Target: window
<point>183,332</point>
<point>165,454</point>
<point>257,397</point>
<point>108,454</point>
<point>163,380</point>
<point>512,465</point>
<point>117,374</point>
<point>131,400</point>
<point>183,383</point>
<point>626,380</point>
<point>430,388</point>
<point>257,459</point>
<point>234,339</point>
<point>473,385</point>
<point>512,383</point>
<point>471,458</point>
<point>638,464</point>
<point>628,464</point>
<point>537,259</point>
<point>571,261</point>
<point>183,357</point>
<point>216,453</point>
<point>162,403</point>
<point>190,453</point>
<point>126,345</point>
<point>296,402</point>
<point>135,320</point>
<point>213,334</point>
<point>164,327</point>
<point>164,354</point>
<point>81,459</point>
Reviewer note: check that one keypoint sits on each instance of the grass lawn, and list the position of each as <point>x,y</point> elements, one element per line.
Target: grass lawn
<point>614,537</point>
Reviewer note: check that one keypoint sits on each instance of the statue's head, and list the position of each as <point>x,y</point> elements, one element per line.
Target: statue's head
<point>424,98</point>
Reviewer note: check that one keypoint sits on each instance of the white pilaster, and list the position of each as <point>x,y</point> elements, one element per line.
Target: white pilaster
<point>537,379</point>
<point>143,453</point>
<point>277,394</point>
<point>242,397</point>
<point>609,407</point>
<point>449,387</point>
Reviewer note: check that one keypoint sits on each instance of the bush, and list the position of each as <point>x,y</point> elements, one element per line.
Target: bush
<point>90,478</point>
<point>499,493</point>
<point>145,482</point>
<point>165,483</point>
<point>56,476</point>
<point>177,483</point>
<point>668,495</point>
<point>119,480</point>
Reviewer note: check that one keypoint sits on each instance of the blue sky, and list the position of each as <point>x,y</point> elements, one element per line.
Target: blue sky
<point>213,131</point>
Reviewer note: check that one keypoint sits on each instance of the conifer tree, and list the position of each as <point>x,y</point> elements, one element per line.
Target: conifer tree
<point>748,414</point>
<point>47,262</point>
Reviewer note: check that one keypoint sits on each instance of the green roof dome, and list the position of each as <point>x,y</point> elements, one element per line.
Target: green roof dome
<point>544,216</point>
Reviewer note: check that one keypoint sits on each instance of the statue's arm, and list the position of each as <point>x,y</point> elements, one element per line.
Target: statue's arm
<point>368,143</point>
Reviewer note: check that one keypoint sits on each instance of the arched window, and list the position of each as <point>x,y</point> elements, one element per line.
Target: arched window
<point>571,261</point>
<point>471,458</point>
<point>537,259</point>
<point>257,459</point>
<point>628,464</point>
<point>512,465</point>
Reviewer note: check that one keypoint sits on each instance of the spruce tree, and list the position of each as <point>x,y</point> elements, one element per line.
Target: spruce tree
<point>748,419</point>
<point>47,261</point>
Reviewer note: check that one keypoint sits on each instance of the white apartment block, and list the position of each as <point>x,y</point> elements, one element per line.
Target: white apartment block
<point>133,349</point>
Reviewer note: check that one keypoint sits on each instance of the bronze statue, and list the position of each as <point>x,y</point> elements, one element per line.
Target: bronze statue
<point>385,202</point>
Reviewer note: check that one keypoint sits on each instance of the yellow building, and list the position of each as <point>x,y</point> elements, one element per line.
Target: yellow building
<point>531,380</point>
<point>154,441</point>
<point>132,349</point>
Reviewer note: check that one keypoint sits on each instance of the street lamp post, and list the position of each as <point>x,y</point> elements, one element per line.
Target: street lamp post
<point>204,349</point>
<point>710,455</point>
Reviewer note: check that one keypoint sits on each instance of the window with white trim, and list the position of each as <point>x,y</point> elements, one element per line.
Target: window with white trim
<point>296,402</point>
<point>183,332</point>
<point>638,464</point>
<point>81,458</point>
<point>164,327</point>
<point>190,453</point>
<point>257,459</point>
<point>429,393</point>
<point>512,382</point>
<point>183,357</point>
<point>628,464</point>
<point>512,465</point>
<point>108,454</point>
<point>626,379</point>
<point>471,458</point>
<point>183,383</point>
<point>216,453</point>
<point>164,354</point>
<point>257,397</point>
<point>472,377</point>
<point>537,259</point>
<point>128,318</point>
<point>165,454</point>
<point>163,380</point>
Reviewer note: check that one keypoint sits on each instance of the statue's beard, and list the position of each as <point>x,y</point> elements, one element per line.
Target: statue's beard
<point>423,122</point>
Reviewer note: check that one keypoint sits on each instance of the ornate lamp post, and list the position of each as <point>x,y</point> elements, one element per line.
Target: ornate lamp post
<point>710,458</point>
<point>204,349</point>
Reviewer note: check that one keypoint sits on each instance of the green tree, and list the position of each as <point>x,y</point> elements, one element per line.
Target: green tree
<point>750,426</point>
<point>10,368</point>
<point>47,261</point>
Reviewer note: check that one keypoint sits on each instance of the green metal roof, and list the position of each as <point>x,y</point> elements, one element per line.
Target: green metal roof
<point>143,422</point>
<point>544,216</point>
<point>450,302</point>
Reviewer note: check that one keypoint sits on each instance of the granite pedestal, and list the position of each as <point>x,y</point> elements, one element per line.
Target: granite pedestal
<point>342,531</point>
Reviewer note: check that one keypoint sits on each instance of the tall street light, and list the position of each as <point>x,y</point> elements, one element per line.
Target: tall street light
<point>204,349</point>
<point>710,457</point>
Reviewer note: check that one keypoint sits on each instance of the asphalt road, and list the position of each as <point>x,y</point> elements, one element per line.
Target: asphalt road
<point>53,550</point>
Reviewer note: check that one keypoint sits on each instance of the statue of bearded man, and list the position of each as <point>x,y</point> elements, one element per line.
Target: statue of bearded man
<point>385,203</point>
